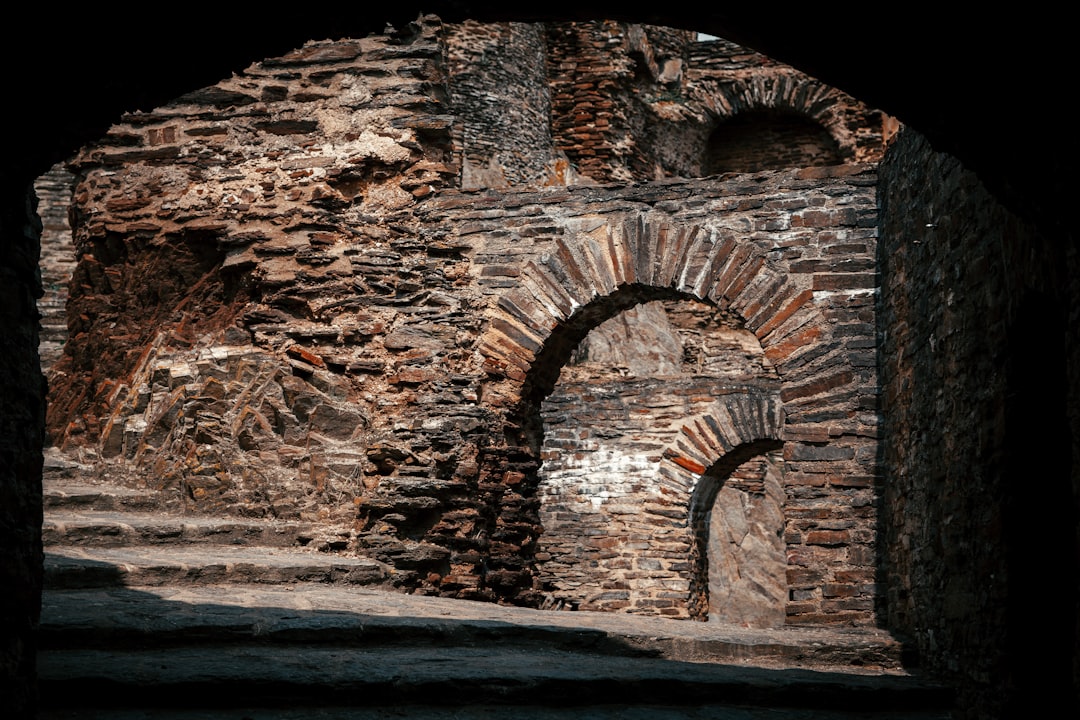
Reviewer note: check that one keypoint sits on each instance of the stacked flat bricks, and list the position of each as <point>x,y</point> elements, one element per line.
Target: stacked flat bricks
<point>461,294</point>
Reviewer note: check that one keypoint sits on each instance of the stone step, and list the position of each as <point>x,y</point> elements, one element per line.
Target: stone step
<point>70,484</point>
<point>87,567</point>
<point>113,528</point>
<point>318,646</point>
<point>346,615</point>
<point>61,494</point>
<point>187,617</point>
<point>141,618</point>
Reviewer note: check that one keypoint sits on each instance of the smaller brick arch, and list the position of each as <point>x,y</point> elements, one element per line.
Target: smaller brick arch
<point>737,427</point>
<point>708,449</point>
<point>792,95</point>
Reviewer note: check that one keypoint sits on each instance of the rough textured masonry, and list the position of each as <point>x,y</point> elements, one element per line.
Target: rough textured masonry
<point>980,309</point>
<point>381,284</point>
<point>977,319</point>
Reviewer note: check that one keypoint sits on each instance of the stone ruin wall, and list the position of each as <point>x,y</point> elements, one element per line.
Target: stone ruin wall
<point>980,503</point>
<point>634,102</point>
<point>497,79</point>
<point>282,307</point>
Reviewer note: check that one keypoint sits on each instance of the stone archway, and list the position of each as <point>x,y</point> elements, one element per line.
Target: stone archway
<point>535,325</point>
<point>596,266</point>
<point>614,536</point>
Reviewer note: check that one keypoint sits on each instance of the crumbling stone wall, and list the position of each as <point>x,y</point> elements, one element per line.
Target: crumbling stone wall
<point>352,340</point>
<point>157,198</point>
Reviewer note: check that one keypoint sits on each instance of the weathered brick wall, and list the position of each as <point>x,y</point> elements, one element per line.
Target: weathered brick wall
<point>554,264</point>
<point>979,394</point>
<point>589,80</point>
<point>282,308</point>
<point>497,78</point>
<point>634,102</point>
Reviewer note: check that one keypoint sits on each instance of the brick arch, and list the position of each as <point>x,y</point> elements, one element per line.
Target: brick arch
<point>598,269</point>
<point>589,272</point>
<point>588,267</point>
<point>709,447</point>
<point>800,96</point>
<point>736,428</point>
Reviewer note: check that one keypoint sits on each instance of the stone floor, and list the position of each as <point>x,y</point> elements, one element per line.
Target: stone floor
<point>148,614</point>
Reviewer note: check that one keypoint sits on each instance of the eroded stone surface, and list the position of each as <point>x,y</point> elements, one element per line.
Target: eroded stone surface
<point>286,306</point>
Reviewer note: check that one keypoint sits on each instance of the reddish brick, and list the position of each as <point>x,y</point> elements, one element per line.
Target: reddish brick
<point>829,538</point>
<point>688,464</point>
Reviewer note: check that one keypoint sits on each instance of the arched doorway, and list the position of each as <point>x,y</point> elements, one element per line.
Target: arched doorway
<point>618,535</point>
<point>737,520</point>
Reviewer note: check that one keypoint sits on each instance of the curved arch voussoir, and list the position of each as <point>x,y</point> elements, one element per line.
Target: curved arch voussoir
<point>739,420</point>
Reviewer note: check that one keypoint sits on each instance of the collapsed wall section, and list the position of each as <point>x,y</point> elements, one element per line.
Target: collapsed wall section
<point>238,250</point>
